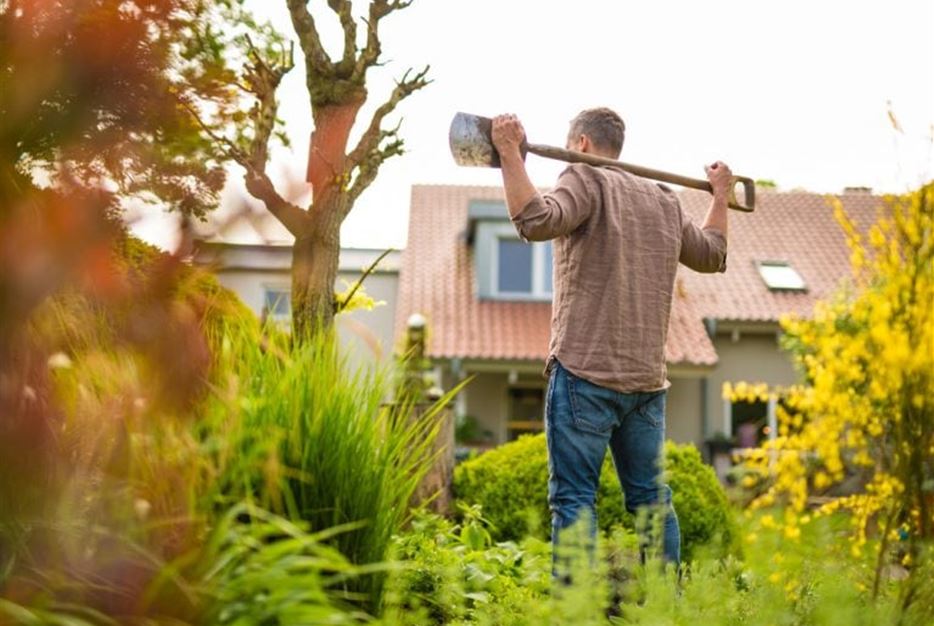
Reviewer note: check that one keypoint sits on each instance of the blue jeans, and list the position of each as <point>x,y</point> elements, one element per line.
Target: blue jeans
<point>581,420</point>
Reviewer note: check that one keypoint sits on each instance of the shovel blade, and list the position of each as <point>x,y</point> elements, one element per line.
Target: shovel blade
<point>470,141</point>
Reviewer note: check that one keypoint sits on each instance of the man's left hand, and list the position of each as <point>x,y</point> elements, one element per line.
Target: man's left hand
<point>508,135</point>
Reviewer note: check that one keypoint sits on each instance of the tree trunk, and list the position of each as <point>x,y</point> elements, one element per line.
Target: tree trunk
<point>315,256</point>
<point>315,260</point>
<point>327,161</point>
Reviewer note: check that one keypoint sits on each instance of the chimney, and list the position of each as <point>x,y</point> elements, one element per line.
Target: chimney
<point>866,191</point>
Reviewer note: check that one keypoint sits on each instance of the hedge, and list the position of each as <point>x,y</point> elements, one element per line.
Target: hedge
<point>510,483</point>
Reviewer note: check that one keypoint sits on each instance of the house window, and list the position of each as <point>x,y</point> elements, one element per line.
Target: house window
<point>749,423</point>
<point>515,266</point>
<point>780,276</point>
<point>277,303</point>
<point>526,411</point>
<point>522,270</point>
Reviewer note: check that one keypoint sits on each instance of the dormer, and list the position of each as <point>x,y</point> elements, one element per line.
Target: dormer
<point>506,267</point>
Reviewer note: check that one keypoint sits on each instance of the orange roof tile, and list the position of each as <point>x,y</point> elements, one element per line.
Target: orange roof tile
<point>437,275</point>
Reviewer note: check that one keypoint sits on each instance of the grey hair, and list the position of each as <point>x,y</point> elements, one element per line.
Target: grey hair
<point>603,126</point>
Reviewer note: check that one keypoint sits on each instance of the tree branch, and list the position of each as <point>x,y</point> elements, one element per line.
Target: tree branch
<point>373,135</point>
<point>319,62</point>
<point>370,54</point>
<point>294,218</point>
<point>226,146</point>
<point>377,144</point>
<point>263,79</point>
<point>388,146</point>
<point>343,10</point>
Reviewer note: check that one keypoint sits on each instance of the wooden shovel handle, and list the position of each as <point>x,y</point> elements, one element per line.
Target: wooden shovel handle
<point>749,186</point>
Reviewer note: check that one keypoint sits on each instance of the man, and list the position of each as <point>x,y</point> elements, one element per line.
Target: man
<point>618,240</point>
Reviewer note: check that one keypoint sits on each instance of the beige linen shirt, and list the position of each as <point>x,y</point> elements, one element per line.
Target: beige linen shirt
<point>618,240</point>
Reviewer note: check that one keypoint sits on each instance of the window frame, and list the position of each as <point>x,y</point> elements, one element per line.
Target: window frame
<point>538,293</point>
<point>781,288</point>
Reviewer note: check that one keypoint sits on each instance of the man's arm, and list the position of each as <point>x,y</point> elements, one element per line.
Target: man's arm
<point>537,217</point>
<point>508,135</point>
<point>704,249</point>
<point>721,178</point>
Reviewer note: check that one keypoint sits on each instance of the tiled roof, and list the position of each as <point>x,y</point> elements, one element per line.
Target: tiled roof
<point>437,278</point>
<point>796,227</point>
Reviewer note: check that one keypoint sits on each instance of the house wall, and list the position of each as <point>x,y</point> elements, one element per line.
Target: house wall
<point>749,357</point>
<point>363,333</point>
<point>683,418</point>
<point>485,399</point>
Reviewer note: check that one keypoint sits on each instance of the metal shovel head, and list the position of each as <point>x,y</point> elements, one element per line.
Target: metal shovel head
<point>470,140</point>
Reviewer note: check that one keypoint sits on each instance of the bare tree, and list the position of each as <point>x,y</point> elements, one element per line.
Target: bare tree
<point>338,173</point>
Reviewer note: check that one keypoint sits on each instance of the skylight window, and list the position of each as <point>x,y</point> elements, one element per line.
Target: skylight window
<point>780,276</point>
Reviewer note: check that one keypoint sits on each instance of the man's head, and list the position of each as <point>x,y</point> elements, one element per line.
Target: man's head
<point>597,131</point>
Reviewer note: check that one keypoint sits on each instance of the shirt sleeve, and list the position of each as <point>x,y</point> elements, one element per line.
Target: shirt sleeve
<point>560,211</point>
<point>702,249</point>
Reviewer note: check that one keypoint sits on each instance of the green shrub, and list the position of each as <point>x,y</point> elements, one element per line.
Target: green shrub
<point>510,483</point>
<point>449,573</point>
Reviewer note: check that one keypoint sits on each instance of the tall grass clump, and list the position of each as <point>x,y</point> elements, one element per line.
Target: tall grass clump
<point>302,433</point>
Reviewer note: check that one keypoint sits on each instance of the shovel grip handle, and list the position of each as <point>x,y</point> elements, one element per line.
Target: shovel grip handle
<point>749,186</point>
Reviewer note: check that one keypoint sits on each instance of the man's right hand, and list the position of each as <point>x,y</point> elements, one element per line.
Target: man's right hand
<point>721,182</point>
<point>720,177</point>
<point>508,135</point>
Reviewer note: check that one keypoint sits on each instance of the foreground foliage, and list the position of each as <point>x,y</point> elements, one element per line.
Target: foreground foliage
<point>135,424</point>
<point>455,574</point>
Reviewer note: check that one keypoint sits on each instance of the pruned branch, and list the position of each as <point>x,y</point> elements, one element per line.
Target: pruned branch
<point>372,136</point>
<point>294,218</point>
<point>377,144</point>
<point>370,53</point>
<point>263,79</point>
<point>388,146</point>
<point>304,24</point>
<point>342,8</point>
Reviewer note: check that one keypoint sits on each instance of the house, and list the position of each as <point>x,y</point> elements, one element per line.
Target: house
<point>487,300</point>
<point>486,296</point>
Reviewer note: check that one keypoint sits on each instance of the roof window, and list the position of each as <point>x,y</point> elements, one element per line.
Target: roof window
<point>780,276</point>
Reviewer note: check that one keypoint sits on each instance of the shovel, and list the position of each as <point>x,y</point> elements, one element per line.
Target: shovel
<point>472,145</point>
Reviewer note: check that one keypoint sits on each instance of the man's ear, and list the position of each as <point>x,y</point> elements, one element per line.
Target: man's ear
<point>584,144</point>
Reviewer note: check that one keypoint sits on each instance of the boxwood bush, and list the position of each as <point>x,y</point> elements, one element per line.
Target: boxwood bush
<point>510,484</point>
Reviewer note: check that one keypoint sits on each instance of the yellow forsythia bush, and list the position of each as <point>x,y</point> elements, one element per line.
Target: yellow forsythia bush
<point>867,402</point>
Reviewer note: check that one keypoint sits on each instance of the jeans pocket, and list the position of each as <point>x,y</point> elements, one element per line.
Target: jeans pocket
<point>652,410</point>
<point>593,407</point>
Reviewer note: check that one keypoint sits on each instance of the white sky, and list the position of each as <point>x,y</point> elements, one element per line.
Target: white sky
<point>794,91</point>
